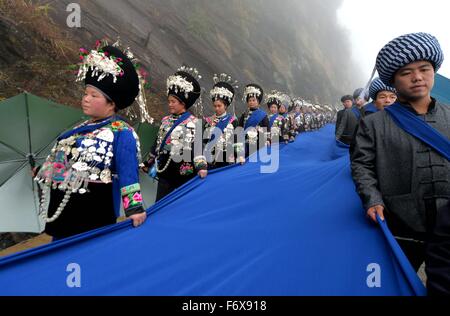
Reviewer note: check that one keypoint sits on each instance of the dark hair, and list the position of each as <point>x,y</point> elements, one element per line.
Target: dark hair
<point>346,98</point>
<point>225,102</point>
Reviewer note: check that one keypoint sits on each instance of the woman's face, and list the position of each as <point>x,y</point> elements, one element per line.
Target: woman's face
<point>95,104</point>
<point>219,107</point>
<point>282,109</point>
<point>273,109</point>
<point>253,103</point>
<point>175,105</point>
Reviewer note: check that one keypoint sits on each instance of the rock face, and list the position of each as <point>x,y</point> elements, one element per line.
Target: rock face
<point>293,45</point>
<point>35,54</point>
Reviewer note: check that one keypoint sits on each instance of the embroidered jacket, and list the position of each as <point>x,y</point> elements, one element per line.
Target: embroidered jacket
<point>101,152</point>
<point>280,127</point>
<point>180,143</point>
<point>227,148</point>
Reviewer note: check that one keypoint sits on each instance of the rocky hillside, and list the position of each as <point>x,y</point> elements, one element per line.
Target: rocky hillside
<point>293,45</point>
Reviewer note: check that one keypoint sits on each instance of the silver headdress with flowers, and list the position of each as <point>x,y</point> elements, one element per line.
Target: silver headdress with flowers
<point>179,83</point>
<point>103,65</point>
<point>298,101</point>
<point>225,88</point>
<point>222,91</point>
<point>252,91</point>
<point>184,85</point>
<point>274,97</point>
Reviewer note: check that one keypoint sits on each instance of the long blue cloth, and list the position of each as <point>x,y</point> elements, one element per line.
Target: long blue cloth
<point>221,125</point>
<point>272,120</point>
<point>370,108</point>
<point>299,231</point>
<point>356,112</point>
<point>420,129</point>
<point>256,118</point>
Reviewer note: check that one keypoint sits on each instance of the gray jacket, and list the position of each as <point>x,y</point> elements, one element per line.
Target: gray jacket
<point>345,130</point>
<point>392,168</point>
<point>339,116</point>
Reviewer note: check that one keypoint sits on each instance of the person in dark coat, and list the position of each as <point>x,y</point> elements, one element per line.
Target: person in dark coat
<point>93,169</point>
<point>400,163</point>
<point>174,159</point>
<point>221,145</point>
<point>298,117</point>
<point>347,102</point>
<point>277,122</point>
<point>346,130</point>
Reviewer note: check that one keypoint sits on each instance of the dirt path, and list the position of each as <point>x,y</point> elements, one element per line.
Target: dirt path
<point>27,244</point>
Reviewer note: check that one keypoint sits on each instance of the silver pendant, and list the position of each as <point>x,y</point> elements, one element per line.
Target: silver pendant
<point>75,153</point>
<point>105,176</point>
<point>106,135</point>
<point>93,177</point>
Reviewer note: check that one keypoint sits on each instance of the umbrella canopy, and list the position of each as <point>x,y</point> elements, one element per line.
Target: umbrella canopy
<point>29,126</point>
<point>147,136</point>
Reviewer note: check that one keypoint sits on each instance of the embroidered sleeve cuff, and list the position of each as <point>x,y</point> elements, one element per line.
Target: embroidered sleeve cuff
<point>132,201</point>
<point>133,188</point>
<point>135,210</point>
<point>200,163</point>
<point>131,198</point>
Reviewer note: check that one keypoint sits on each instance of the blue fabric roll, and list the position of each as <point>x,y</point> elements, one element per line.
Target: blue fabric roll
<point>232,234</point>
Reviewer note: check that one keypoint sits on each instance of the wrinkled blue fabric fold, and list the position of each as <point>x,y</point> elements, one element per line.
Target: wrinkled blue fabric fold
<point>299,231</point>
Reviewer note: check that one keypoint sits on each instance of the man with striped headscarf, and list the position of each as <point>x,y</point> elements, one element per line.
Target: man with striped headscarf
<point>400,163</point>
<point>382,95</point>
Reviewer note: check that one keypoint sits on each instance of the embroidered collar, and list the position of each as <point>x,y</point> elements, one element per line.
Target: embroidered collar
<point>109,118</point>
<point>176,116</point>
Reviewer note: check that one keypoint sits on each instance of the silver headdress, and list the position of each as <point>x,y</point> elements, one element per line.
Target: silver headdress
<point>298,101</point>
<point>184,84</point>
<point>252,91</point>
<point>274,96</point>
<point>286,100</point>
<point>103,65</point>
<point>221,92</point>
<point>180,84</point>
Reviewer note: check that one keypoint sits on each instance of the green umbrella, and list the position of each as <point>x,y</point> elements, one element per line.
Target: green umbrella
<point>29,126</point>
<point>147,136</point>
